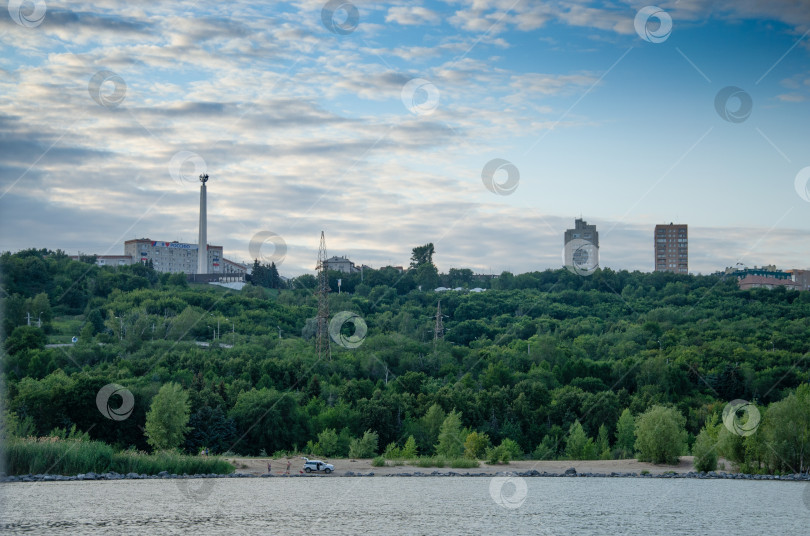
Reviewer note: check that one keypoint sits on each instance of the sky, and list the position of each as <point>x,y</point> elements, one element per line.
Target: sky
<point>483,126</point>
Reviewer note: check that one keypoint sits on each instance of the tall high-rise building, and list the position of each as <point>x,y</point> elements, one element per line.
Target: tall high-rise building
<point>671,248</point>
<point>582,247</point>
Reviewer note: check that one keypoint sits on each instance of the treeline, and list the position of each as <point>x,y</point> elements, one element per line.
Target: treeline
<point>525,364</point>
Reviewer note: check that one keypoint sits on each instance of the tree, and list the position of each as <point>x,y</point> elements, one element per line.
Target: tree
<point>427,277</point>
<point>475,445</point>
<point>25,338</point>
<point>264,275</point>
<point>786,430</point>
<point>409,451</point>
<point>328,442</point>
<point>258,275</point>
<point>422,255</point>
<point>625,434</point>
<point>178,279</point>
<point>705,452</point>
<point>167,418</point>
<point>428,427</point>
<point>40,308</point>
<point>268,419</point>
<point>275,278</point>
<point>603,443</point>
<point>12,426</point>
<point>211,429</point>
<point>579,446</point>
<point>451,441</point>
<point>660,435</point>
<point>547,449</point>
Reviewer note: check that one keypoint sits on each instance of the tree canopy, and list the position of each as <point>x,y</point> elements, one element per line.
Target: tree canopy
<point>523,361</point>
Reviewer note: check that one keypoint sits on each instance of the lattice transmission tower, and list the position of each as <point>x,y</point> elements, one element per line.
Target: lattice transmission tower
<point>438,331</point>
<point>322,342</point>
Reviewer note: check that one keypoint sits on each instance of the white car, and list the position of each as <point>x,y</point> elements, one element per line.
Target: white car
<point>317,466</point>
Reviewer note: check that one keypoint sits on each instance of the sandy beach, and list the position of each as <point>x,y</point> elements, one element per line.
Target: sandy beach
<point>258,466</point>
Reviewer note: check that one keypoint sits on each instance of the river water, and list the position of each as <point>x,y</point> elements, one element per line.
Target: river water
<point>401,505</point>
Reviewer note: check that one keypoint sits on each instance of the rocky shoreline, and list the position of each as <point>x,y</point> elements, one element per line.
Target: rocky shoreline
<point>569,473</point>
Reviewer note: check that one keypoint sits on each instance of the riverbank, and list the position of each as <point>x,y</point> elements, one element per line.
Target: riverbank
<point>571,472</point>
<point>258,466</point>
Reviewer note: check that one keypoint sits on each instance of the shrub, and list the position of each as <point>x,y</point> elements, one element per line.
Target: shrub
<point>497,455</point>
<point>463,463</point>
<point>512,448</point>
<point>475,445</point>
<point>379,461</point>
<point>441,461</point>
<point>392,452</point>
<point>364,447</point>
<point>327,442</point>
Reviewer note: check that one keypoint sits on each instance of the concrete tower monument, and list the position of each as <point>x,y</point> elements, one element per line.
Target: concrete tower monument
<point>202,248</point>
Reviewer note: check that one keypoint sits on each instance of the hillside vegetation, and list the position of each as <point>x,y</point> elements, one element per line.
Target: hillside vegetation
<point>533,366</point>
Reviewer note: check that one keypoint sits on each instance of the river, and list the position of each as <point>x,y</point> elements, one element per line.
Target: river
<point>401,505</point>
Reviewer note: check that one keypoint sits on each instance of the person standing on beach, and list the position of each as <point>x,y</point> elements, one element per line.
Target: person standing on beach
<point>269,470</point>
<point>288,467</point>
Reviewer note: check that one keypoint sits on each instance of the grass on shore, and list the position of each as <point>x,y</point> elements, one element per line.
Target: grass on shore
<point>429,461</point>
<point>71,457</point>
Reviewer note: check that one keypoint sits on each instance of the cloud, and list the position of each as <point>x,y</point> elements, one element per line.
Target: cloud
<point>791,97</point>
<point>302,130</point>
<point>411,15</point>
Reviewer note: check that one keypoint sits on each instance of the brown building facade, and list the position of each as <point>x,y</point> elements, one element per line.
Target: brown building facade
<point>671,248</point>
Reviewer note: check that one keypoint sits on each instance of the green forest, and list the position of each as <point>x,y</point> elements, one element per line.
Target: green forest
<point>539,365</point>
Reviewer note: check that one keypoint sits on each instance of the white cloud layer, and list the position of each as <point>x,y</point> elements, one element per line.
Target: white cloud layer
<point>302,129</point>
